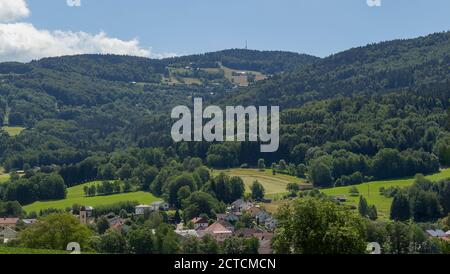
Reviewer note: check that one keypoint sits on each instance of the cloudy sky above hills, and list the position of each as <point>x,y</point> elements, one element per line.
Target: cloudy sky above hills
<point>32,29</point>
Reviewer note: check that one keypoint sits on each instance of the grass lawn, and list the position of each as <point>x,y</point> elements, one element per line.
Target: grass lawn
<point>13,131</point>
<point>28,251</point>
<point>273,184</point>
<point>241,80</point>
<point>371,191</point>
<point>75,195</point>
<point>4,178</point>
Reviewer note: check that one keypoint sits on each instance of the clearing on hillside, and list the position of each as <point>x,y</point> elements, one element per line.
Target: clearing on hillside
<point>13,131</point>
<point>75,195</point>
<point>273,184</point>
<point>371,191</point>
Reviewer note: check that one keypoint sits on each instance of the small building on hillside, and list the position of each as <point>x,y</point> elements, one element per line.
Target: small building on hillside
<point>229,217</point>
<point>160,206</point>
<point>140,209</point>
<point>262,216</point>
<point>7,234</point>
<point>29,221</point>
<point>187,233</point>
<point>218,231</point>
<point>200,223</point>
<point>436,233</point>
<point>271,223</point>
<point>8,222</point>
<point>89,211</point>
<point>253,211</point>
<point>240,205</point>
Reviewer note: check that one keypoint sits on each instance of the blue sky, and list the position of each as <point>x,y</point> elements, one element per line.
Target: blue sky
<point>318,27</point>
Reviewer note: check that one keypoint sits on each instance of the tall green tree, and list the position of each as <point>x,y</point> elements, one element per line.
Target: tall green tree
<point>55,231</point>
<point>363,207</point>
<point>258,191</point>
<point>400,208</point>
<point>318,226</point>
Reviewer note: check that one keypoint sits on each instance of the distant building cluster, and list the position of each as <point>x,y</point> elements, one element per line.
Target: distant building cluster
<point>222,228</point>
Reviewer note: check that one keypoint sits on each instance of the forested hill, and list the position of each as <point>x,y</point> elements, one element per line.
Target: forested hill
<point>375,112</point>
<point>268,62</point>
<point>418,65</point>
<point>138,69</point>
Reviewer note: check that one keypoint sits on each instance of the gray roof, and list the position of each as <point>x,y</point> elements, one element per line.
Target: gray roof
<point>436,233</point>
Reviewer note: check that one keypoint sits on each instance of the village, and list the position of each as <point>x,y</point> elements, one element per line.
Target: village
<point>258,223</point>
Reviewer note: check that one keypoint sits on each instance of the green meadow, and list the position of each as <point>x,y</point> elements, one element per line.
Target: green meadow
<point>4,178</point>
<point>75,195</point>
<point>273,184</point>
<point>13,131</point>
<point>371,191</point>
<point>28,251</point>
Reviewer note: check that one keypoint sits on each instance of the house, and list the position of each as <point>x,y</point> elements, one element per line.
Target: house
<point>240,205</point>
<point>116,223</point>
<point>200,223</point>
<point>229,217</point>
<point>265,238</point>
<point>187,233</point>
<point>436,233</point>
<point>160,206</point>
<point>29,221</point>
<point>89,211</point>
<point>262,216</point>
<point>218,231</point>
<point>270,223</point>
<point>341,199</point>
<point>253,211</point>
<point>247,232</point>
<point>85,214</point>
<point>8,222</point>
<point>7,234</point>
<point>140,209</point>
<point>227,225</point>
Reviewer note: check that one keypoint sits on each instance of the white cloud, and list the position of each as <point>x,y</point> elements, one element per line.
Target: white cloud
<point>73,3</point>
<point>12,10</point>
<point>374,3</point>
<point>23,42</point>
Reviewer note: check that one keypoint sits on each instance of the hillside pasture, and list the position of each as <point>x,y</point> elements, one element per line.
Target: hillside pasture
<point>75,195</point>
<point>273,184</point>
<point>371,191</point>
<point>13,131</point>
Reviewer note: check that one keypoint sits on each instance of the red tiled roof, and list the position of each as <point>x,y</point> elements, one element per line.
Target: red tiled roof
<point>8,221</point>
<point>198,220</point>
<point>217,228</point>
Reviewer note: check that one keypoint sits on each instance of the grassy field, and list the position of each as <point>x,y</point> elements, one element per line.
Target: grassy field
<point>28,251</point>
<point>273,184</point>
<point>241,80</point>
<point>4,178</point>
<point>371,191</point>
<point>13,131</point>
<point>75,195</point>
<point>3,175</point>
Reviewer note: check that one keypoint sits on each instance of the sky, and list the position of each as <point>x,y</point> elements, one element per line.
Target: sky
<point>33,29</point>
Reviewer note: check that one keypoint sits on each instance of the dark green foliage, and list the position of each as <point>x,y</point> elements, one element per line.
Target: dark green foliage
<point>400,208</point>
<point>10,209</point>
<point>316,226</point>
<point>363,207</point>
<point>201,203</point>
<point>38,187</point>
<point>258,191</point>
